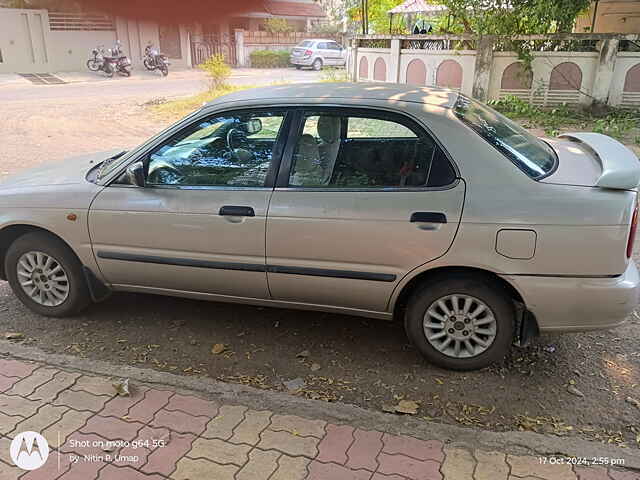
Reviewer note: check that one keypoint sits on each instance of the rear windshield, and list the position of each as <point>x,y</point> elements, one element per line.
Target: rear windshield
<point>305,43</point>
<point>532,155</point>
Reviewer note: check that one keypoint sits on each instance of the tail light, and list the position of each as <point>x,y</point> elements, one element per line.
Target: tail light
<point>308,52</point>
<point>632,232</point>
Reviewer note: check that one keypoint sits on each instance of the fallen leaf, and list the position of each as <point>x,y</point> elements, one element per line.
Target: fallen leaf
<point>218,348</point>
<point>407,406</point>
<point>574,391</point>
<point>389,408</point>
<point>303,354</point>
<point>438,381</point>
<point>315,367</point>
<point>122,387</point>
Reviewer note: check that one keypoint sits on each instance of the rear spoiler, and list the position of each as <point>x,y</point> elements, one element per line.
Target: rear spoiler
<point>620,166</point>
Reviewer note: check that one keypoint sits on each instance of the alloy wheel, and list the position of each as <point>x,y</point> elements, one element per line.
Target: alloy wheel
<point>460,326</point>
<point>43,278</point>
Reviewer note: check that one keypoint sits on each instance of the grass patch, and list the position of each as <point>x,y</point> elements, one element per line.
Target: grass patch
<point>176,109</point>
<point>623,125</point>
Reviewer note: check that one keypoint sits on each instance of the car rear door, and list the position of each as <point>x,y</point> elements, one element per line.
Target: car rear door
<point>362,198</point>
<point>198,224</point>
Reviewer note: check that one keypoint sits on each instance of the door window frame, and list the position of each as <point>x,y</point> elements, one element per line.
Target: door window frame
<point>144,155</point>
<point>297,127</point>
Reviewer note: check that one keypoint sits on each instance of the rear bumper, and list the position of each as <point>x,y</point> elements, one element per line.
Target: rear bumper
<point>577,304</point>
<point>304,61</point>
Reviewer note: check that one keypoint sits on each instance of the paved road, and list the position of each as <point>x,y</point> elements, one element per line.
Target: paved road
<point>142,83</point>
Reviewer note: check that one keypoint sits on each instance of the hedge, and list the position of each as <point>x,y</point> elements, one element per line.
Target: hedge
<point>269,58</point>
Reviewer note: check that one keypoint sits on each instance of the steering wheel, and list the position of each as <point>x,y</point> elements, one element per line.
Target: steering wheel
<point>235,139</point>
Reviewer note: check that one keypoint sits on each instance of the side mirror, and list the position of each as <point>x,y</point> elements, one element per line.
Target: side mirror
<point>254,126</point>
<point>135,174</point>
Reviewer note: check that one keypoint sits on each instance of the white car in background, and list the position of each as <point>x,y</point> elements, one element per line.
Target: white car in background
<point>318,53</point>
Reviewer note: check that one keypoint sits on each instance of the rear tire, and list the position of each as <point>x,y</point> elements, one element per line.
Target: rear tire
<point>317,64</point>
<point>453,337</point>
<point>46,275</point>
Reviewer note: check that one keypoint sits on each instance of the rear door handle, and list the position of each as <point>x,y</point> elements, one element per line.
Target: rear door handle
<point>428,217</point>
<point>237,211</point>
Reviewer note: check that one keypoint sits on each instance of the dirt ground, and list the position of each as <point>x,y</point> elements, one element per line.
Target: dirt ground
<point>363,362</point>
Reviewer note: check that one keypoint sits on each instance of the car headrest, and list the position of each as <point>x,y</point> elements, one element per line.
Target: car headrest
<point>329,129</point>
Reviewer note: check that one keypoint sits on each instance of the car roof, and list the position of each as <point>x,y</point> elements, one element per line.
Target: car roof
<point>317,40</point>
<point>329,91</point>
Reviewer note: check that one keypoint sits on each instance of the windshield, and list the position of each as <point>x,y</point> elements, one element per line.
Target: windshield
<point>532,155</point>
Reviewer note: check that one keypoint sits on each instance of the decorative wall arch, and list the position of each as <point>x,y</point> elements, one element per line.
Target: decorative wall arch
<point>632,79</point>
<point>516,77</point>
<point>380,70</point>
<point>449,74</point>
<point>416,72</point>
<point>565,76</point>
<point>363,69</point>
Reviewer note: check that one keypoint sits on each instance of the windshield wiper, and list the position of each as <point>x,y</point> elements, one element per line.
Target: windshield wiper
<point>108,162</point>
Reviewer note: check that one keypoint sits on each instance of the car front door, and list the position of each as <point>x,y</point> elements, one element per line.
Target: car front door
<point>335,51</point>
<point>362,198</point>
<point>198,223</point>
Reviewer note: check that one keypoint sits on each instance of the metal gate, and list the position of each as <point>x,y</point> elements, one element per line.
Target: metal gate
<point>213,45</point>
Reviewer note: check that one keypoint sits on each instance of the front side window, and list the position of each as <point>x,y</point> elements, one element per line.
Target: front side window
<point>533,156</point>
<point>232,150</point>
<point>366,151</point>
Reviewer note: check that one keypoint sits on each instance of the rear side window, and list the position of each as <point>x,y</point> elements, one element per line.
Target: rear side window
<point>305,44</point>
<point>363,151</point>
<point>533,156</point>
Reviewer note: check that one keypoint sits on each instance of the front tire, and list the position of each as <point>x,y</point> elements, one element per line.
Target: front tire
<point>164,70</point>
<point>317,64</point>
<point>46,276</point>
<point>461,322</point>
<point>93,65</point>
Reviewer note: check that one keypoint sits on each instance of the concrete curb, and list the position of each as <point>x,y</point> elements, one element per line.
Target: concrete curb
<point>517,443</point>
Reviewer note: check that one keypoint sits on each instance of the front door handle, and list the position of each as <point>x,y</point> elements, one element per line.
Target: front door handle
<point>428,217</point>
<point>237,211</point>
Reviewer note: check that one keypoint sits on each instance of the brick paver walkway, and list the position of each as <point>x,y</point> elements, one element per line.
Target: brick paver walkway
<point>158,433</point>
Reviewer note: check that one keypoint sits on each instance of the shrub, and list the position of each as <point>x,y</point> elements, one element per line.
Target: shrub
<point>277,25</point>
<point>269,58</point>
<point>217,69</point>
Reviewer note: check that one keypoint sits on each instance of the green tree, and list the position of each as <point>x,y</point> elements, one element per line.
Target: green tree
<point>513,17</point>
<point>497,17</point>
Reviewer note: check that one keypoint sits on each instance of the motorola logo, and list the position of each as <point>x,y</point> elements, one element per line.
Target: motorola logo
<point>29,450</point>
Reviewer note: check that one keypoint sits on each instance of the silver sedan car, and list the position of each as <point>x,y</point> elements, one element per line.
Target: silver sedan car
<point>318,53</point>
<point>388,201</point>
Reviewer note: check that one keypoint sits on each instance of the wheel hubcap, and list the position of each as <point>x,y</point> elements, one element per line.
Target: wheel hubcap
<point>43,279</point>
<point>460,326</point>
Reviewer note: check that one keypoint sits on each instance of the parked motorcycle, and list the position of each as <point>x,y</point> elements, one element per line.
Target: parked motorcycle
<point>96,63</point>
<point>109,61</point>
<point>120,60</point>
<point>154,60</point>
